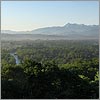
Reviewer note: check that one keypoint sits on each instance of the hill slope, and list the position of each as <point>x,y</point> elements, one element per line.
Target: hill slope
<point>68,31</point>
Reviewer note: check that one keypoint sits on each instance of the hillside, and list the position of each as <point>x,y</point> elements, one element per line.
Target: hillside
<point>68,31</point>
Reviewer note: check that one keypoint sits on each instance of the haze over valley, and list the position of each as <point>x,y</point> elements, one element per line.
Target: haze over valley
<point>50,49</point>
<point>68,31</point>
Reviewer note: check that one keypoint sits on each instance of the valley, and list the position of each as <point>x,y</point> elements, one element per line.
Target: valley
<point>50,69</point>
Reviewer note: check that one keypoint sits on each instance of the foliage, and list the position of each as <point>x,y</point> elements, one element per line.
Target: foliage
<point>50,70</point>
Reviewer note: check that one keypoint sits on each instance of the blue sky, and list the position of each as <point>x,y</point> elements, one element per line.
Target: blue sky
<point>29,15</point>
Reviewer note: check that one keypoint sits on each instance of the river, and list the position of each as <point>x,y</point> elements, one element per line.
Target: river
<point>16,58</point>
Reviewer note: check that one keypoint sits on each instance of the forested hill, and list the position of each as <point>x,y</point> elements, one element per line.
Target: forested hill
<point>50,69</point>
<point>61,65</point>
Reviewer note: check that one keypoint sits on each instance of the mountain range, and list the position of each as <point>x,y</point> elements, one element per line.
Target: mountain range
<point>67,31</point>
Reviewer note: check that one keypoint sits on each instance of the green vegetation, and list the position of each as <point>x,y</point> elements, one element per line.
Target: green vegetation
<point>62,69</point>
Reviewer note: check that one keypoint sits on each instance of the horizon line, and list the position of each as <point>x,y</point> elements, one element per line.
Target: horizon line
<point>47,27</point>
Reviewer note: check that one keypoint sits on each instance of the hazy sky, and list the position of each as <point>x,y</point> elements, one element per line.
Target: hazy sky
<point>29,15</point>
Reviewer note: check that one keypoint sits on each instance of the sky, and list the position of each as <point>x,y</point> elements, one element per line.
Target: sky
<point>30,15</point>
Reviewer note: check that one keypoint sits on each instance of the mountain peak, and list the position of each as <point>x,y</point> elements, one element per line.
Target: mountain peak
<point>67,29</point>
<point>73,24</point>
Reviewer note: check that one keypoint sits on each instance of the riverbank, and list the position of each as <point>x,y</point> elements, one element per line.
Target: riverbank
<point>16,58</point>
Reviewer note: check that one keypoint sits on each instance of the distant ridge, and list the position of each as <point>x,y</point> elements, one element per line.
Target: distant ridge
<point>67,28</point>
<point>67,31</point>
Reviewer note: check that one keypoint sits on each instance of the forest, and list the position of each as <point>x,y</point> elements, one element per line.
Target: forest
<point>50,69</point>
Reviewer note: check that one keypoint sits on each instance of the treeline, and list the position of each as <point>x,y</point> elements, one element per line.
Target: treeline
<point>48,81</point>
<point>60,51</point>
